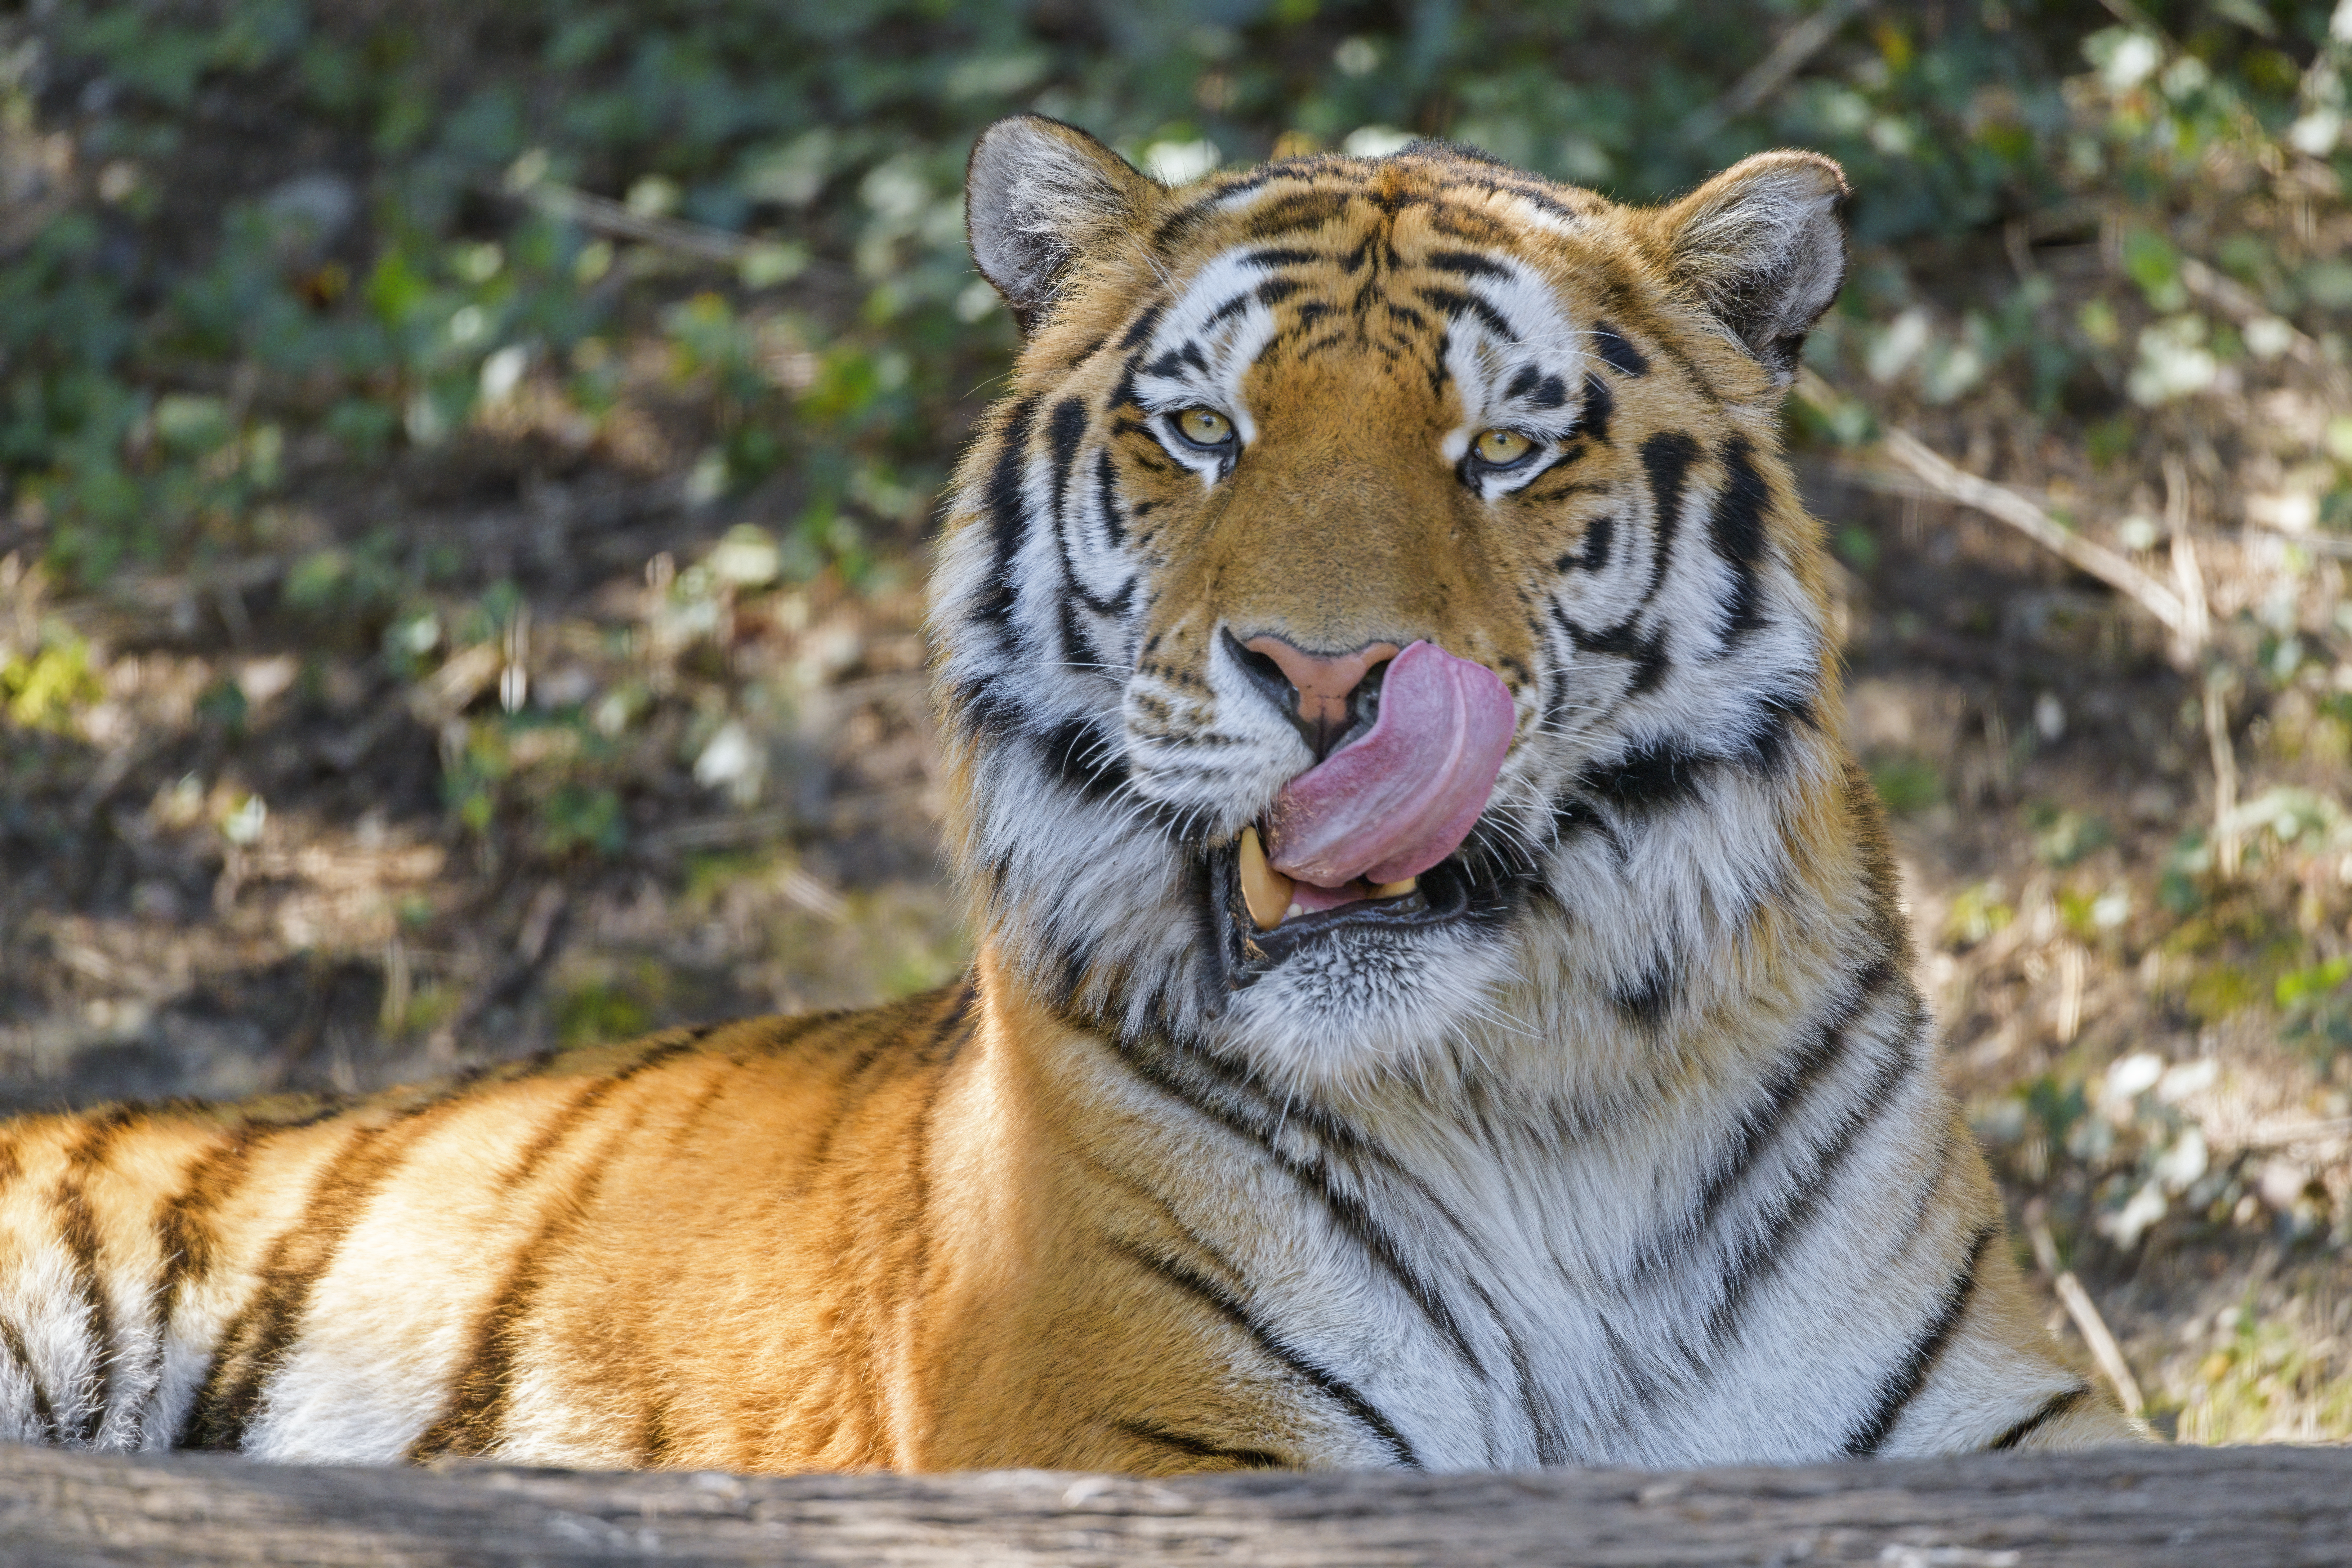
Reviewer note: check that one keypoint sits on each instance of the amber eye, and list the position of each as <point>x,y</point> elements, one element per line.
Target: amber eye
<point>1501,448</point>
<point>1204,427</point>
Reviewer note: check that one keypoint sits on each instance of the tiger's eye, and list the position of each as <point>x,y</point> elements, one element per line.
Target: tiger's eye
<point>1502,447</point>
<point>1204,427</point>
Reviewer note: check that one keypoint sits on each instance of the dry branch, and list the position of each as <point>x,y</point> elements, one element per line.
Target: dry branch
<point>2079,1306</point>
<point>1769,74</point>
<point>2147,1507</point>
<point>1952,482</point>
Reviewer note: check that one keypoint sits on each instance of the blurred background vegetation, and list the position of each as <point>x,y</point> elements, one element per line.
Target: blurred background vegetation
<point>467,467</point>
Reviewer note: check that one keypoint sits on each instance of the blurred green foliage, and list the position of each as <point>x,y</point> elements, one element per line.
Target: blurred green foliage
<point>394,245</point>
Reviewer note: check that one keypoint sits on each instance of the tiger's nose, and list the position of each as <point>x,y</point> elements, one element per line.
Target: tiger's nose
<point>1323,694</point>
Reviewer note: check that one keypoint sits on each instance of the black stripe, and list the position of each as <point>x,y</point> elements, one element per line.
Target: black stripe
<point>1618,351</point>
<point>1904,1384</point>
<point>1469,264</point>
<point>850,1093</point>
<point>1599,407</point>
<point>78,1229</point>
<point>1652,997</point>
<point>1075,649</point>
<point>1571,817</point>
<point>1594,554</point>
<point>1107,498</point>
<point>1201,1448</point>
<point>1200,1244</point>
<point>1075,652</point>
<point>1351,1215</point>
<point>1231,308</point>
<point>1778,715</point>
<point>473,1416</point>
<point>1281,255</point>
<point>559,1126</point>
<point>1922,1201</point>
<point>1765,1245</point>
<point>1176,225</point>
<point>1457,304</point>
<point>2059,1405</point>
<point>1736,526</point>
<point>184,1237</point>
<point>14,1344</point>
<point>1646,654</point>
<point>1647,780</point>
<point>1300,210</point>
<point>1083,760</point>
<point>1534,195</point>
<point>1172,364</point>
<point>1065,427</point>
<point>1765,1121</point>
<point>1234,1311</point>
<point>920,1223</point>
<point>1538,389</point>
<point>987,711</point>
<point>1008,519</point>
<point>254,1347</point>
<point>1142,326</point>
<point>1666,458</point>
<point>1535,1400</point>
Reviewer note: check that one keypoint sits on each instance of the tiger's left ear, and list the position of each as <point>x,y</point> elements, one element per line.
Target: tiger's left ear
<point>1038,196</point>
<point>1762,246</point>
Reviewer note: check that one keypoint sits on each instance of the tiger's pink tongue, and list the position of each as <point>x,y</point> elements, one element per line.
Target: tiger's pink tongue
<point>1398,801</point>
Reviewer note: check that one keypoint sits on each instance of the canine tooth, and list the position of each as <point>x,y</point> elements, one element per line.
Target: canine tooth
<point>1265,890</point>
<point>1396,889</point>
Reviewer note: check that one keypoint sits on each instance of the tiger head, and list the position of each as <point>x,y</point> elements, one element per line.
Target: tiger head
<point>1270,431</point>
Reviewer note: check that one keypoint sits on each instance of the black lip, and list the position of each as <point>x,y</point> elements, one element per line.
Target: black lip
<point>1441,899</point>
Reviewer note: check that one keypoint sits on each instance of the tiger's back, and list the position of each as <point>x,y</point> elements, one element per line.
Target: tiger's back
<point>618,1255</point>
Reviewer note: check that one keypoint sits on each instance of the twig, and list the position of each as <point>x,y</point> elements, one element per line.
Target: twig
<point>2085,1311</point>
<point>2226,848</point>
<point>1766,77</point>
<point>617,220</point>
<point>1998,502</point>
<point>2328,1131</point>
<point>602,215</point>
<point>2069,994</point>
<point>2317,543</point>
<point>1887,482</point>
<point>2196,625</point>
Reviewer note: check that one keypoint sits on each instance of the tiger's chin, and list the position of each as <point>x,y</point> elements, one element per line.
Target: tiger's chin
<point>1329,1001</point>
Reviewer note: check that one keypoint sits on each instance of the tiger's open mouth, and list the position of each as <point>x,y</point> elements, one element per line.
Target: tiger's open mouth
<point>1369,838</point>
<point>1441,896</point>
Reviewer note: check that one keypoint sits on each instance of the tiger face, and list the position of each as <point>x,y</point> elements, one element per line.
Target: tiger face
<point>1269,432</point>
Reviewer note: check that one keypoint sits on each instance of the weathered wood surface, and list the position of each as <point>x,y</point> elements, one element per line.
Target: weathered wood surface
<point>2144,1507</point>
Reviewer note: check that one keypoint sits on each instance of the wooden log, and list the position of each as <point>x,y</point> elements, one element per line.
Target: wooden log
<point>2143,1507</point>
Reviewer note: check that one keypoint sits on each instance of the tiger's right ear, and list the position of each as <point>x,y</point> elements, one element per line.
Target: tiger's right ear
<point>1762,247</point>
<point>1036,196</point>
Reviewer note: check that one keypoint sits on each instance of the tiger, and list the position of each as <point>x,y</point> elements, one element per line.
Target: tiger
<point>1441,996</point>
